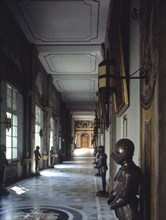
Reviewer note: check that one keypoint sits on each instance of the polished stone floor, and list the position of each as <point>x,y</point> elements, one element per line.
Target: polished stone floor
<point>65,192</point>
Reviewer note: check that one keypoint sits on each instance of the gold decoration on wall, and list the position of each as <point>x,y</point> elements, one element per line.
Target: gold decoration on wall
<point>149,49</point>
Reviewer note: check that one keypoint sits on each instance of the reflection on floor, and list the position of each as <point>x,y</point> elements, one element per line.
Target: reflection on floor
<point>65,192</point>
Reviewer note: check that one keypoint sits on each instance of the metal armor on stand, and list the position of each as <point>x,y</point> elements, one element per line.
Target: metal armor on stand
<point>124,198</point>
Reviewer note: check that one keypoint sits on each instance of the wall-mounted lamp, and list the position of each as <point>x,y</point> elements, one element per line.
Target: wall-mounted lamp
<point>7,123</point>
<point>107,85</point>
<point>107,81</point>
<point>108,76</point>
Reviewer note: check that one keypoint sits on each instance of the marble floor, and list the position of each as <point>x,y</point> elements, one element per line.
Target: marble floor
<point>65,192</point>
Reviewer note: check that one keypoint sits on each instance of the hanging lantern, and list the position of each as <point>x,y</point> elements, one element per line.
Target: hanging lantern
<point>107,81</point>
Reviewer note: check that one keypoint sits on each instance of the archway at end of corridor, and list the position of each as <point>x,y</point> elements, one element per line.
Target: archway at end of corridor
<point>84,140</point>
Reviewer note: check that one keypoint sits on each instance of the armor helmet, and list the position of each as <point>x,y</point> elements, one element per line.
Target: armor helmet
<point>101,148</point>
<point>37,147</point>
<point>124,150</point>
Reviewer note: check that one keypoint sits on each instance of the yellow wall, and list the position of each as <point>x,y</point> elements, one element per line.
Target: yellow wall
<point>148,157</point>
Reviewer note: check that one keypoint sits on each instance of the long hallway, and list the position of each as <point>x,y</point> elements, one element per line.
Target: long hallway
<point>65,192</point>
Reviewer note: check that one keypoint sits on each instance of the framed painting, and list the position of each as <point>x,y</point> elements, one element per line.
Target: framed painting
<point>121,99</point>
<point>118,49</point>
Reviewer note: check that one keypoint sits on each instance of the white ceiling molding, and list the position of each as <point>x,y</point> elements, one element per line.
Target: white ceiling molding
<point>68,35</point>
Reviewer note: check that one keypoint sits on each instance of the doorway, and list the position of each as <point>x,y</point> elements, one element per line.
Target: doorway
<point>84,140</point>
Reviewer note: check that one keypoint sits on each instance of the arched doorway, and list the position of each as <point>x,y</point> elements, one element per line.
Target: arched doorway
<point>84,140</point>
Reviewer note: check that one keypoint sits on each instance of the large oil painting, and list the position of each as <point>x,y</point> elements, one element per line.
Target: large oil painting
<point>118,50</point>
<point>121,101</point>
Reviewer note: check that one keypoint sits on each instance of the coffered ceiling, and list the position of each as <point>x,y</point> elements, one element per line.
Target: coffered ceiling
<point>68,35</point>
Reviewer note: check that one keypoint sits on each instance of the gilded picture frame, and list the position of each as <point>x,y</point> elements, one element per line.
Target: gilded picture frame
<point>121,96</point>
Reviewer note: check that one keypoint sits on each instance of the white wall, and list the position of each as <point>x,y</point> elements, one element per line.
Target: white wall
<point>133,112</point>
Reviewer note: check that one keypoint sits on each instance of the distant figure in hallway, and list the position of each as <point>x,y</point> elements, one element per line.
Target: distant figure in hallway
<point>52,155</point>
<point>123,198</point>
<point>3,164</point>
<point>37,159</point>
<point>102,164</point>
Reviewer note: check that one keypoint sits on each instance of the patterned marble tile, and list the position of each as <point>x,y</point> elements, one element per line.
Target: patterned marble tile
<point>67,191</point>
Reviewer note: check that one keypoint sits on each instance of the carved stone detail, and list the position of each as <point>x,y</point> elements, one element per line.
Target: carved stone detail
<point>149,50</point>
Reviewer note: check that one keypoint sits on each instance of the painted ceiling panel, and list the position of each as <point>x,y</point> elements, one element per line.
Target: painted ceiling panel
<point>61,20</point>
<point>80,98</point>
<point>76,85</point>
<point>71,63</point>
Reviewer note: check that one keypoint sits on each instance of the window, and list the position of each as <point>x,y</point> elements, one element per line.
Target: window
<point>38,124</point>
<point>12,134</point>
<point>51,132</point>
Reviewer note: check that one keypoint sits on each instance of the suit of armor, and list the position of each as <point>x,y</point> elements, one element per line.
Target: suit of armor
<point>37,159</point>
<point>102,164</point>
<point>103,167</point>
<point>123,198</point>
<point>3,164</point>
<point>52,155</point>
